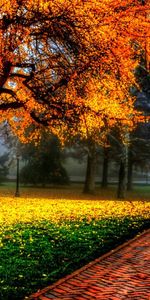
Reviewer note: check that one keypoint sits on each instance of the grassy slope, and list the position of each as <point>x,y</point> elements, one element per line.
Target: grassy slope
<point>48,233</point>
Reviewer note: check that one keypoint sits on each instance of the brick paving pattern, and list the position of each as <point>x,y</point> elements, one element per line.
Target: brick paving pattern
<point>121,274</point>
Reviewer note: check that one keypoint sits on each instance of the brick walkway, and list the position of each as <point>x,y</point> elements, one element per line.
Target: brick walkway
<point>121,274</point>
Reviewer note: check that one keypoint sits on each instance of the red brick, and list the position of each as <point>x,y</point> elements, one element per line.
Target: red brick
<point>123,273</point>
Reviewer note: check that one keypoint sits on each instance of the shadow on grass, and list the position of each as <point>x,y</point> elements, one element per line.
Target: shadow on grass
<point>74,191</point>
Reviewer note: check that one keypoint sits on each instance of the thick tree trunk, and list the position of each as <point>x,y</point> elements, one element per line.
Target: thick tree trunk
<point>105,169</point>
<point>89,186</point>
<point>130,171</point>
<point>122,182</point>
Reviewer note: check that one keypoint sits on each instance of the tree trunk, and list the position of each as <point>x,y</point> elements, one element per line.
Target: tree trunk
<point>105,169</point>
<point>122,183</point>
<point>130,171</point>
<point>89,186</point>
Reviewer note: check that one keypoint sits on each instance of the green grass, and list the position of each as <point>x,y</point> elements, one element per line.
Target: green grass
<point>141,191</point>
<point>34,256</point>
<point>38,253</point>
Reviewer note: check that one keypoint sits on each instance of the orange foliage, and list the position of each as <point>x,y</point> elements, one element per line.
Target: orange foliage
<point>68,64</point>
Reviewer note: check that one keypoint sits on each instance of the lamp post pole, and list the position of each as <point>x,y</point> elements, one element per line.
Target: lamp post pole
<point>17,193</point>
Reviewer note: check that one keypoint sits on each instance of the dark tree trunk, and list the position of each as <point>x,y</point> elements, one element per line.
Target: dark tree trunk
<point>89,186</point>
<point>105,169</point>
<point>130,171</point>
<point>122,182</point>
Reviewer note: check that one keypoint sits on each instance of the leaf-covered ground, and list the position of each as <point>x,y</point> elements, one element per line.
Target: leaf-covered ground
<point>46,234</point>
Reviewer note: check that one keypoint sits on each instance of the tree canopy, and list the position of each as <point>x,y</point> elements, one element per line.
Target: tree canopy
<point>43,163</point>
<point>68,65</point>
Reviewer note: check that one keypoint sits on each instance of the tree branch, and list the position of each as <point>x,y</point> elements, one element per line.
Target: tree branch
<point>7,91</point>
<point>11,105</point>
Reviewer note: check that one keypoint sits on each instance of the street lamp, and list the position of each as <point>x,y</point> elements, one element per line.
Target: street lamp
<point>17,193</point>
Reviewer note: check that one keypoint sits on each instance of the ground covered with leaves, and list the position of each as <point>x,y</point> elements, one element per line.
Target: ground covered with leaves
<point>47,234</point>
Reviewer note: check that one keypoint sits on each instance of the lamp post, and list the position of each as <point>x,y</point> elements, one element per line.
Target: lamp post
<point>17,193</point>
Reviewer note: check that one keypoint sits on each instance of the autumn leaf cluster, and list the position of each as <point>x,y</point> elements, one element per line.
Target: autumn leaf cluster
<point>59,207</point>
<point>68,65</point>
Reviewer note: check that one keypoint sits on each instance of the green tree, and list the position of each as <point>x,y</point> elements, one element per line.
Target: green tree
<point>3,167</point>
<point>43,163</point>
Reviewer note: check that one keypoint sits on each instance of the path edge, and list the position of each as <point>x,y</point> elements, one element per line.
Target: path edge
<point>37,294</point>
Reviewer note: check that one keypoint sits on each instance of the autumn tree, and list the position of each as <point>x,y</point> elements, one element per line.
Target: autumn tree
<point>68,65</point>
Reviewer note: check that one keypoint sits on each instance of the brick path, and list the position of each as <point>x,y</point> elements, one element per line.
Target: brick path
<point>123,273</point>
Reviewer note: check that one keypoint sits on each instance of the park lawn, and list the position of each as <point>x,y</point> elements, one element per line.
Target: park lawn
<point>46,234</point>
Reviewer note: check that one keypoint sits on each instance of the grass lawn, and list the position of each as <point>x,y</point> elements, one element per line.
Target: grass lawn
<point>48,233</point>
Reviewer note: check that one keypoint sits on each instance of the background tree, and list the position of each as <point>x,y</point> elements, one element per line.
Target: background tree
<point>140,138</point>
<point>3,167</point>
<point>139,150</point>
<point>43,163</point>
